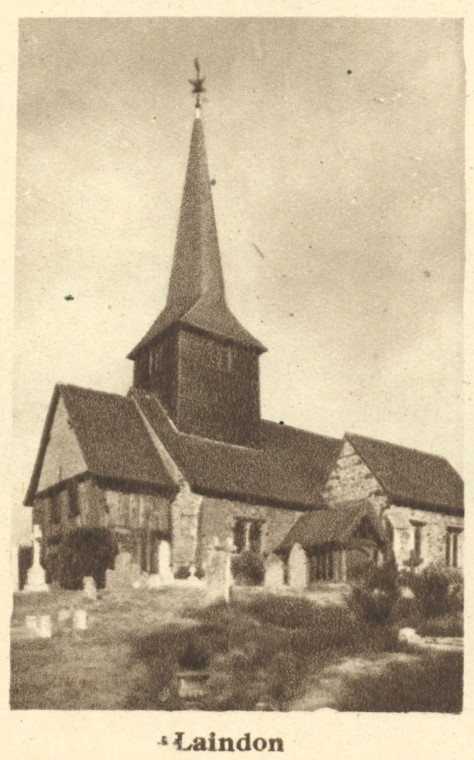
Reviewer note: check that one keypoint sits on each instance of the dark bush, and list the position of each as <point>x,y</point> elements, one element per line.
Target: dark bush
<point>248,568</point>
<point>85,552</point>
<point>436,589</point>
<point>50,554</point>
<point>25,561</point>
<point>374,596</point>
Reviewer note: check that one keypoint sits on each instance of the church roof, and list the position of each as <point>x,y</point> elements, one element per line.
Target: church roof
<point>196,295</point>
<point>331,526</point>
<point>411,477</point>
<point>112,437</point>
<point>288,468</point>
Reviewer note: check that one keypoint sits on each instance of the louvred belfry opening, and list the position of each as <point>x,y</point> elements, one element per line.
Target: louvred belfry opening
<point>196,355</point>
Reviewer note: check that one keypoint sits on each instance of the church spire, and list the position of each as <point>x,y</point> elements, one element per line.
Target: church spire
<point>196,296</point>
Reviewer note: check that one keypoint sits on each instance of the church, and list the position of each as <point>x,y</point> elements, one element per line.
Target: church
<point>185,456</point>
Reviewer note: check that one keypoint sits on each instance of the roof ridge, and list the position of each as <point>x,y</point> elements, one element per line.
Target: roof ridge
<point>73,386</point>
<point>349,436</point>
<point>301,430</point>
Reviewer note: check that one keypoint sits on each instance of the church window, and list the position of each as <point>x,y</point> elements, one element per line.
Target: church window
<point>452,547</point>
<point>248,535</point>
<point>73,498</point>
<point>417,538</point>
<point>56,508</point>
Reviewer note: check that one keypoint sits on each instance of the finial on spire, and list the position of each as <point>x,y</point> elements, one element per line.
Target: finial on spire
<point>198,87</point>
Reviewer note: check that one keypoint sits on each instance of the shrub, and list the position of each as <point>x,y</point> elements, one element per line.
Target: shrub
<point>50,554</point>
<point>432,684</point>
<point>374,596</point>
<point>436,588</point>
<point>248,568</point>
<point>83,552</point>
<point>25,561</point>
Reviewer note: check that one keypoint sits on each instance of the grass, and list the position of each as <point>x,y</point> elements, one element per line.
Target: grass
<point>433,683</point>
<point>257,651</point>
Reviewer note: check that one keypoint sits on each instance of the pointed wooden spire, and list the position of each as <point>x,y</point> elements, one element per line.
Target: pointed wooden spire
<point>196,290</point>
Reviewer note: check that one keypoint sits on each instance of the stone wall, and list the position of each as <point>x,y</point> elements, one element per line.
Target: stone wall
<point>351,480</point>
<point>218,516</point>
<point>433,534</point>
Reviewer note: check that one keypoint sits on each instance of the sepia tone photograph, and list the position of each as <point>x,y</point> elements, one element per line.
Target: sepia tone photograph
<point>239,279</point>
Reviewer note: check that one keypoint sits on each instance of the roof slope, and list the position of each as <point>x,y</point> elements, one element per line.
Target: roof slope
<point>112,437</point>
<point>288,469</point>
<point>412,477</point>
<point>196,296</point>
<point>329,526</point>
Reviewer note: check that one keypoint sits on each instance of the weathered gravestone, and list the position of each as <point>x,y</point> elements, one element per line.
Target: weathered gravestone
<point>125,572</point>
<point>274,572</point>
<point>164,562</point>
<point>44,627</point>
<point>90,589</point>
<point>217,569</point>
<point>298,567</point>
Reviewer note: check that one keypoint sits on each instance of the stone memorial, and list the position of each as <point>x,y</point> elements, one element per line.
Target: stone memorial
<point>31,624</point>
<point>218,572</point>
<point>164,562</point>
<point>79,620</point>
<point>274,572</point>
<point>90,589</point>
<point>298,567</point>
<point>36,579</point>
<point>44,629</point>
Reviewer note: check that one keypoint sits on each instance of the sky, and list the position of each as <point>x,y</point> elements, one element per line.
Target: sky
<point>336,147</point>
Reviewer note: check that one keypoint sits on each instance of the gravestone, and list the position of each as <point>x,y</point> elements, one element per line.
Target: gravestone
<point>274,572</point>
<point>44,629</point>
<point>90,589</point>
<point>297,567</point>
<point>164,562</point>
<point>36,579</point>
<point>124,574</point>
<point>79,620</point>
<point>63,615</point>
<point>31,624</point>
<point>218,572</point>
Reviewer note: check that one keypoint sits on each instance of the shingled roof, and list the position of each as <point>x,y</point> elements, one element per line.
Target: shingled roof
<point>112,436</point>
<point>288,469</point>
<point>331,526</point>
<point>411,477</point>
<point>196,296</point>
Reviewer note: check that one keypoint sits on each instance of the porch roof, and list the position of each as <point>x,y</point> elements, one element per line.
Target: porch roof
<point>332,526</point>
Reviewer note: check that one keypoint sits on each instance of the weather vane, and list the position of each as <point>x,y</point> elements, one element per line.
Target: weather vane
<point>197,84</point>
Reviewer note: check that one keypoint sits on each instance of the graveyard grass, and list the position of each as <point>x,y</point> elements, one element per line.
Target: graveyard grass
<point>259,651</point>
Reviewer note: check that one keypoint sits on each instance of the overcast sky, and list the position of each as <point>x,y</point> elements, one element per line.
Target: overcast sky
<point>336,146</point>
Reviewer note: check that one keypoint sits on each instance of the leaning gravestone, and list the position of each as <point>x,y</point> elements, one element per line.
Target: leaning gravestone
<point>274,572</point>
<point>297,567</point>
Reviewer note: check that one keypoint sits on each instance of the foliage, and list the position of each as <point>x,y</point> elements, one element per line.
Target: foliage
<point>431,684</point>
<point>50,551</point>
<point>374,595</point>
<point>25,561</point>
<point>437,589</point>
<point>85,552</point>
<point>248,568</point>
<point>268,643</point>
